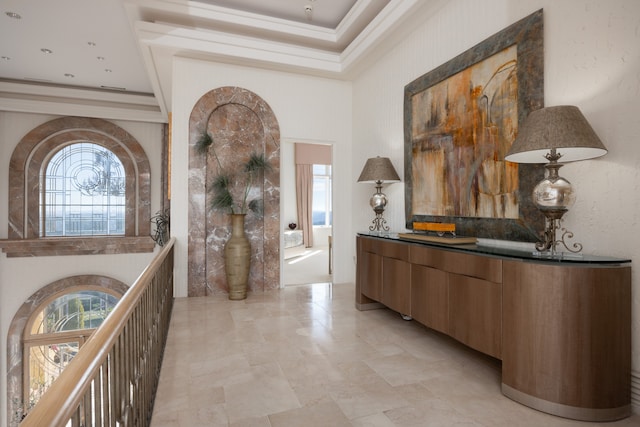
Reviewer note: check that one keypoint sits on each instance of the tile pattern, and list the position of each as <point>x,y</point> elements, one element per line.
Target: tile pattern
<point>304,356</point>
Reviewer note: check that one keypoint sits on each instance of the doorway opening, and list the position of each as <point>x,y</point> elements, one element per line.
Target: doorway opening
<point>308,214</point>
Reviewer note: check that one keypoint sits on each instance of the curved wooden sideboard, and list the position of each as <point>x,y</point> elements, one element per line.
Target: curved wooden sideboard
<point>561,327</point>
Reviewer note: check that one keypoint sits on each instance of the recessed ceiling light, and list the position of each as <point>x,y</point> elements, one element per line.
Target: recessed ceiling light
<point>13,15</point>
<point>69,75</point>
<point>45,50</point>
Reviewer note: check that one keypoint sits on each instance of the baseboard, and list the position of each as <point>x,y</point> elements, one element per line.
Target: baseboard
<point>635,392</point>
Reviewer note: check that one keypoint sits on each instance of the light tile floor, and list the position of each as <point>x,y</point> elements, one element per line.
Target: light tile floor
<point>304,356</point>
<point>311,267</point>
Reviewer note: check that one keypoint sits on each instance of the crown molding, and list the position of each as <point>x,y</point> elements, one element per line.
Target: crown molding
<point>73,101</point>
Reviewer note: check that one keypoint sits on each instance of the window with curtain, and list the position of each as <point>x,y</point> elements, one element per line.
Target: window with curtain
<point>313,188</point>
<point>321,199</point>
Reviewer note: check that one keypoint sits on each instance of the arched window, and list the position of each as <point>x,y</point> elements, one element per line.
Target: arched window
<point>83,192</point>
<point>47,331</point>
<point>55,332</point>
<point>78,186</point>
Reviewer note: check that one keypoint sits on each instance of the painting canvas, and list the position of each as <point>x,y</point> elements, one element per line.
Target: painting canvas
<point>460,121</point>
<point>462,129</point>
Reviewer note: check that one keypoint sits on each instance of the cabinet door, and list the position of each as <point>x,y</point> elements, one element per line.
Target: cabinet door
<point>567,338</point>
<point>475,313</point>
<point>430,297</point>
<point>370,267</point>
<point>396,285</point>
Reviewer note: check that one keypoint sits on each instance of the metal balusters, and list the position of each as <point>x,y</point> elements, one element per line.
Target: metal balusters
<point>112,380</point>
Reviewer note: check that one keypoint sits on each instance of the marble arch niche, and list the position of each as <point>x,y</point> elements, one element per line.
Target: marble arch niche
<point>36,302</point>
<point>239,121</point>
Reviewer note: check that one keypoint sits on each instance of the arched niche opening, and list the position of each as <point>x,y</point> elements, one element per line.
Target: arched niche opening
<point>239,122</point>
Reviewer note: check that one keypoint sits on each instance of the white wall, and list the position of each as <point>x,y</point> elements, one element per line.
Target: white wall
<point>308,109</point>
<point>288,182</point>
<point>21,277</point>
<point>592,60</point>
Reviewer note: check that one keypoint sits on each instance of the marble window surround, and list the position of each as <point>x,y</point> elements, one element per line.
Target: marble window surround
<point>34,304</point>
<point>238,117</point>
<point>27,160</point>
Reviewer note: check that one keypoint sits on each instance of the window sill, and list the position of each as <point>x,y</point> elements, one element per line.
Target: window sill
<point>60,246</point>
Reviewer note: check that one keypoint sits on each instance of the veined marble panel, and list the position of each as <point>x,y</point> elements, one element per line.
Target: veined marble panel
<point>240,122</point>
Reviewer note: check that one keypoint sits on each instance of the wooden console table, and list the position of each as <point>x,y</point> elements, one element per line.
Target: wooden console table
<point>561,327</point>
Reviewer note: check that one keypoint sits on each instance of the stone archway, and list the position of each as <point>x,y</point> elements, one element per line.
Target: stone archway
<point>16,406</point>
<point>239,122</point>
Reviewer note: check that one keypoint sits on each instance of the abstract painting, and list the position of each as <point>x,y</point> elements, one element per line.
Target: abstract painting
<point>460,121</point>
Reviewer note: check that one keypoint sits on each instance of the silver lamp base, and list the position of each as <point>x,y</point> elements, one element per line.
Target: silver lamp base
<point>378,202</point>
<point>554,196</point>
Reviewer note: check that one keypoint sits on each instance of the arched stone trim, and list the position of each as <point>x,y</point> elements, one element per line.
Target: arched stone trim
<point>236,110</point>
<point>32,305</point>
<point>26,169</point>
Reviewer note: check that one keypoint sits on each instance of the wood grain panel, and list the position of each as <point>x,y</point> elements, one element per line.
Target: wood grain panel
<point>567,333</point>
<point>396,285</point>
<point>482,267</point>
<point>393,249</point>
<point>430,297</point>
<point>362,279</point>
<point>371,277</point>
<point>562,330</point>
<point>475,313</point>
<point>424,255</point>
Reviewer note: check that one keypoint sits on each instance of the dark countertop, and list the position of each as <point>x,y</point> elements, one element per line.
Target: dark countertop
<point>506,252</point>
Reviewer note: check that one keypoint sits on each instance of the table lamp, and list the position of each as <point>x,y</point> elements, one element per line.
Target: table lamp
<point>547,135</point>
<point>378,170</point>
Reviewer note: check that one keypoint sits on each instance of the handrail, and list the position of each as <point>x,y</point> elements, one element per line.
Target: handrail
<point>113,378</point>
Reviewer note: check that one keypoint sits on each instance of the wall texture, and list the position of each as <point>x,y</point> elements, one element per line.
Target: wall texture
<point>21,277</point>
<point>591,60</point>
<point>308,109</point>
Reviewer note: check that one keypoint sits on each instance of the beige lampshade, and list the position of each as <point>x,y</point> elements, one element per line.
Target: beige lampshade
<point>378,169</point>
<point>563,128</point>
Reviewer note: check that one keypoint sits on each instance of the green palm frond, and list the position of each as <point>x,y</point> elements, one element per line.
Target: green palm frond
<point>222,183</point>
<point>256,162</point>
<point>203,143</point>
<point>256,206</point>
<point>222,198</point>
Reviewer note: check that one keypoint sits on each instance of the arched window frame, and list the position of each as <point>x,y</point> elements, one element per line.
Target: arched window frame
<point>26,169</point>
<point>24,318</point>
<point>44,177</point>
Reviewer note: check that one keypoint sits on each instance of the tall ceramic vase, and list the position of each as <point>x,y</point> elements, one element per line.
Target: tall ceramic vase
<point>237,259</point>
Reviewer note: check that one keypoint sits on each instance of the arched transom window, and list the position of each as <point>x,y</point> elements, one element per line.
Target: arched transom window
<point>54,334</point>
<point>83,192</point>
<point>47,331</point>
